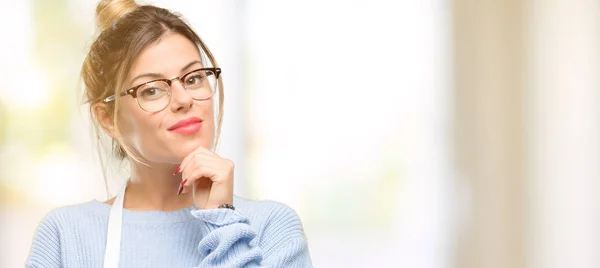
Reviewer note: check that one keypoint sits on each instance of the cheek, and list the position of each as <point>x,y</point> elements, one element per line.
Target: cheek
<point>209,116</point>
<point>137,126</point>
<point>129,117</point>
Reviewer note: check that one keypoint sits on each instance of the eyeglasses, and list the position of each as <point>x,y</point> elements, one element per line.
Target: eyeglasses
<point>155,95</point>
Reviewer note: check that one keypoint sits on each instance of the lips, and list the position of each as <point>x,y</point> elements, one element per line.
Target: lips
<point>187,126</point>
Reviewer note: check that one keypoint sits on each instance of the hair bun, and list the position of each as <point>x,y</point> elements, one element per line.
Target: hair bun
<point>110,11</point>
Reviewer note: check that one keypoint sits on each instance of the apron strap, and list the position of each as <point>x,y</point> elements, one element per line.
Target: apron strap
<point>113,237</point>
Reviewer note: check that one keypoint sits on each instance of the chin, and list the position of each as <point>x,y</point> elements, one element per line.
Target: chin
<point>185,148</point>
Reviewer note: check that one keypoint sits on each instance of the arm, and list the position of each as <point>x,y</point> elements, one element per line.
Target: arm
<point>45,247</point>
<point>230,241</point>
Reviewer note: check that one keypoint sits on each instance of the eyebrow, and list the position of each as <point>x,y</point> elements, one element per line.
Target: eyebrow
<point>158,76</point>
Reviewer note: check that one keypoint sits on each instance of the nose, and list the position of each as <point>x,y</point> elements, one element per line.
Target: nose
<point>180,99</point>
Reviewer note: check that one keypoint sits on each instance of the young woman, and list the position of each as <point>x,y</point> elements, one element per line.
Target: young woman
<point>152,86</point>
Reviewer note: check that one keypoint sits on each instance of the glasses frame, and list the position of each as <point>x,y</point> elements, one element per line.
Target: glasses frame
<point>133,91</point>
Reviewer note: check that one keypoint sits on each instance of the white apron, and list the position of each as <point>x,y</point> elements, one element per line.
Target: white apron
<point>113,237</point>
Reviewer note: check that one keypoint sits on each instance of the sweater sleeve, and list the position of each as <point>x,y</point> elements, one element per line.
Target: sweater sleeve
<point>45,247</point>
<point>230,240</point>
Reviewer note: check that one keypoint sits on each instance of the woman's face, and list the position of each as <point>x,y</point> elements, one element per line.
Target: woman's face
<point>155,136</point>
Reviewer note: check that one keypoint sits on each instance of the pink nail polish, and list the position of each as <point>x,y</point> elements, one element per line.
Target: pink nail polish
<point>181,187</point>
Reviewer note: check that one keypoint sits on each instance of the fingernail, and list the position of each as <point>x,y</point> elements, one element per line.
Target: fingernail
<point>181,187</point>
<point>177,170</point>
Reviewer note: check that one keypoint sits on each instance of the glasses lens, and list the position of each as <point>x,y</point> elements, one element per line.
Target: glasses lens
<point>153,96</point>
<point>200,85</point>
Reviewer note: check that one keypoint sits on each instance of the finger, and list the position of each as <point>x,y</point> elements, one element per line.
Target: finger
<point>185,162</point>
<point>200,151</point>
<point>186,171</point>
<point>201,175</point>
<point>198,183</point>
<point>196,162</point>
<point>186,181</point>
<point>196,169</point>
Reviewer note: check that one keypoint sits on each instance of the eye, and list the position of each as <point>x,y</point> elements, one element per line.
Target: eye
<point>151,92</point>
<point>194,79</point>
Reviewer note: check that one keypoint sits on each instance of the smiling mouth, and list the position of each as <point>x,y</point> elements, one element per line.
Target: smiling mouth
<point>187,126</point>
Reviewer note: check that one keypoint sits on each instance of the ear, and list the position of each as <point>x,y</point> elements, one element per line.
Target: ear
<point>100,111</point>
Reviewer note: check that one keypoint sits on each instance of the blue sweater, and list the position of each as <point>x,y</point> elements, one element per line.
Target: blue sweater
<point>255,234</point>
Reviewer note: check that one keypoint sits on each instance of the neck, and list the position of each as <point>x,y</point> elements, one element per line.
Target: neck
<point>155,188</point>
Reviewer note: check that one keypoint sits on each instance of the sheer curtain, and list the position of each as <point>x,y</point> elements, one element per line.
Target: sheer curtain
<point>564,47</point>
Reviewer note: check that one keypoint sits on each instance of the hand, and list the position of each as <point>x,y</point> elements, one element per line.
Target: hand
<point>210,176</point>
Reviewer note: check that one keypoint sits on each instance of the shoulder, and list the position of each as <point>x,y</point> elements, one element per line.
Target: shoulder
<point>48,237</point>
<point>67,215</point>
<point>59,222</point>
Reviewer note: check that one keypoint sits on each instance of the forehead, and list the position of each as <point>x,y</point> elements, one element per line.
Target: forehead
<point>166,56</point>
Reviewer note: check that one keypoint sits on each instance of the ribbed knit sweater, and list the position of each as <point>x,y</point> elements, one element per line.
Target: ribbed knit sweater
<point>255,234</point>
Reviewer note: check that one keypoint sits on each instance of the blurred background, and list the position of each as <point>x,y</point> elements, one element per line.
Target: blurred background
<point>412,133</point>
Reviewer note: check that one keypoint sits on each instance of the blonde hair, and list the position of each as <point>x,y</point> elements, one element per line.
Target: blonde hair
<point>126,28</point>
